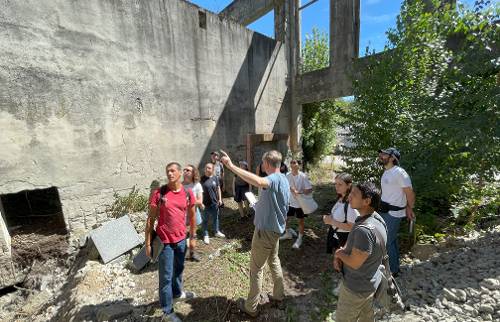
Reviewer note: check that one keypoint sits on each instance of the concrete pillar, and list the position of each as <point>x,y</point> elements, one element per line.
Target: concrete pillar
<point>5,240</point>
<point>280,21</point>
<point>344,32</point>
<point>2,211</point>
<point>293,42</point>
<point>8,273</point>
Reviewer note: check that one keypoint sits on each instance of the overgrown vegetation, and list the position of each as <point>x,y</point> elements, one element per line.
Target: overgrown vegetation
<point>434,95</point>
<point>133,202</point>
<point>319,119</point>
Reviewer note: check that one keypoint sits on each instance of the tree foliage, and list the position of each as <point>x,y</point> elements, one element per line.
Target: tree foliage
<point>434,95</point>
<point>319,119</point>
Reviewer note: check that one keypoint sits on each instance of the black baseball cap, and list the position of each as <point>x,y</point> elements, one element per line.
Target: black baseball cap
<point>392,152</point>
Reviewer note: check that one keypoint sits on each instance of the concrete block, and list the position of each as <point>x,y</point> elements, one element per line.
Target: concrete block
<point>115,238</point>
<point>4,237</point>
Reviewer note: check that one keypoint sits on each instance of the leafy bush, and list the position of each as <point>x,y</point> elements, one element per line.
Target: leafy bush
<point>133,202</point>
<point>319,119</point>
<point>434,95</point>
<point>476,203</point>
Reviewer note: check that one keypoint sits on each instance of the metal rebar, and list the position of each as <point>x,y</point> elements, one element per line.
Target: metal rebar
<point>308,4</point>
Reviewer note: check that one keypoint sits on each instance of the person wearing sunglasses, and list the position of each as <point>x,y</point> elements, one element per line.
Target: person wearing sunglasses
<point>191,180</point>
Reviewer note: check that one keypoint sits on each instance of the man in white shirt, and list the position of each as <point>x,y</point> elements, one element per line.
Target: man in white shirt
<point>299,184</point>
<point>398,200</point>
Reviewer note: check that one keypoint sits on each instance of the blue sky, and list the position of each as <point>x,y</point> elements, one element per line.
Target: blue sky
<point>377,16</point>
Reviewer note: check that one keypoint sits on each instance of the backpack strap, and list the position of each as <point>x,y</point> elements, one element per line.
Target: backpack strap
<point>346,205</point>
<point>163,192</point>
<point>188,196</point>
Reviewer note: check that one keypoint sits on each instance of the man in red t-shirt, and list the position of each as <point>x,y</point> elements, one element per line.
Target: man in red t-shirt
<point>169,205</point>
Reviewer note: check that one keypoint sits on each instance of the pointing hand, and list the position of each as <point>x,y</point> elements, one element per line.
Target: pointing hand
<point>225,159</point>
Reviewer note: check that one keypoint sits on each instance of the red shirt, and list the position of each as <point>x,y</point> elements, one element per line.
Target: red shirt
<point>171,226</point>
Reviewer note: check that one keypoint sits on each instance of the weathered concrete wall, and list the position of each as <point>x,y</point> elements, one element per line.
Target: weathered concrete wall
<point>97,95</point>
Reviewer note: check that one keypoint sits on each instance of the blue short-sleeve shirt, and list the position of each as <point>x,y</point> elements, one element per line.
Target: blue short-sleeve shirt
<point>272,207</point>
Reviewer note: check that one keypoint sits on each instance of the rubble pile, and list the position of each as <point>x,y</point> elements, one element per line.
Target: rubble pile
<point>460,282</point>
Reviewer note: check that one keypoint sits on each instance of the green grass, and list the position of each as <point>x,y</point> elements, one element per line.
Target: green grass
<point>326,301</point>
<point>238,261</point>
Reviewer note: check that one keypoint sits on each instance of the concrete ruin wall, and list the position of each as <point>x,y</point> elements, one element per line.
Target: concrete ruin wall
<point>96,96</point>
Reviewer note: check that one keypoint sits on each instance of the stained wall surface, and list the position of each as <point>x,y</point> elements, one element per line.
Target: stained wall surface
<point>97,96</point>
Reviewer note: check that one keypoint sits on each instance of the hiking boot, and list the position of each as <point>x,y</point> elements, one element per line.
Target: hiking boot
<point>206,240</point>
<point>242,308</point>
<point>171,317</point>
<point>298,242</point>
<point>220,235</point>
<point>184,296</point>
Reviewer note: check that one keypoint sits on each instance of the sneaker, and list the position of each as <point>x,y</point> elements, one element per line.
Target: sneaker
<point>184,296</point>
<point>336,290</point>
<point>194,258</point>
<point>293,232</point>
<point>206,240</point>
<point>297,243</point>
<point>172,317</point>
<point>220,235</point>
<point>286,235</point>
<point>242,308</point>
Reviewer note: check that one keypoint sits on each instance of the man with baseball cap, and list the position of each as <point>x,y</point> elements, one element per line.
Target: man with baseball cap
<point>397,202</point>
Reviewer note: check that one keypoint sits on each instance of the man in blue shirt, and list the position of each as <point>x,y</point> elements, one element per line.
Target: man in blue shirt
<point>269,221</point>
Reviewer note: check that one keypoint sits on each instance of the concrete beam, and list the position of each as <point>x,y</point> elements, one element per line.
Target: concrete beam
<point>331,82</point>
<point>323,84</point>
<point>247,11</point>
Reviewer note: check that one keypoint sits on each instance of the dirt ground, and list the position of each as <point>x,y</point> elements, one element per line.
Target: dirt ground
<point>92,291</point>
<point>41,240</point>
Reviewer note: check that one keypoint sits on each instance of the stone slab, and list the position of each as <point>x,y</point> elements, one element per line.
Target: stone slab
<point>115,238</point>
<point>141,260</point>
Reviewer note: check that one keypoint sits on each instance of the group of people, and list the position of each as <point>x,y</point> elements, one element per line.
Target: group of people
<point>359,215</point>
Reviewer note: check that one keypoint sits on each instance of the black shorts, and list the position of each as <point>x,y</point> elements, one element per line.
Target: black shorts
<point>297,212</point>
<point>239,193</point>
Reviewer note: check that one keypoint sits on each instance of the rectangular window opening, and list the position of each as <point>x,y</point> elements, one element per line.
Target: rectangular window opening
<point>202,19</point>
<point>35,225</point>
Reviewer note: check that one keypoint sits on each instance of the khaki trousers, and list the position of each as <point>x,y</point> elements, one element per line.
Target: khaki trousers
<point>265,247</point>
<point>353,307</point>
